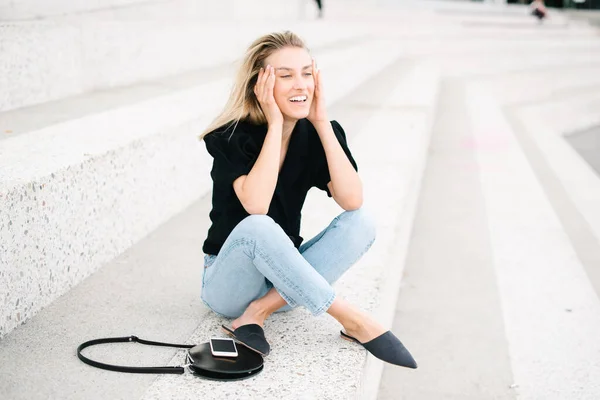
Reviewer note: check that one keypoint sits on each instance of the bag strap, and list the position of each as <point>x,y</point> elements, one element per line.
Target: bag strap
<point>139,370</point>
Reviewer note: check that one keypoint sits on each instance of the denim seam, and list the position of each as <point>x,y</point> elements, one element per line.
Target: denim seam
<point>277,272</point>
<point>366,249</point>
<point>325,306</point>
<point>282,276</point>
<point>287,299</point>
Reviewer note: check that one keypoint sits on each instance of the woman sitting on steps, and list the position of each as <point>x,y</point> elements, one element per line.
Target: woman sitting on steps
<point>271,144</point>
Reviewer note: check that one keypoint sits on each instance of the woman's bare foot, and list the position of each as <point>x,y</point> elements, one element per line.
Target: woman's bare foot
<point>260,309</point>
<point>253,315</point>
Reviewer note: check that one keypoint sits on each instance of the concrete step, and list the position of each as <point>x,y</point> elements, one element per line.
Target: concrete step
<point>543,285</point>
<point>88,197</point>
<point>448,304</point>
<point>80,52</point>
<point>546,130</point>
<point>144,9</point>
<point>153,289</point>
<point>77,316</point>
<point>497,270</point>
<point>502,280</point>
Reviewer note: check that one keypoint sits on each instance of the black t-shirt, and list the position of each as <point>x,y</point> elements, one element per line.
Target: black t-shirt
<point>234,155</point>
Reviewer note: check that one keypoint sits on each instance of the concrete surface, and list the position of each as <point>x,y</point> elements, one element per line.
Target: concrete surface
<point>382,93</point>
<point>449,302</point>
<point>73,209</point>
<point>101,46</point>
<point>587,144</point>
<point>502,278</point>
<point>150,270</point>
<point>498,281</point>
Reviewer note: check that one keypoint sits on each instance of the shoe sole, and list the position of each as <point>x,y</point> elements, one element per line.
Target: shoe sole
<point>349,338</point>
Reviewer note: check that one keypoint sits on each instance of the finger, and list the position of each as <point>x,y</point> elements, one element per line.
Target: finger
<point>316,74</point>
<point>270,83</point>
<point>319,79</point>
<point>267,90</point>
<point>257,86</point>
<point>272,80</point>
<point>263,87</point>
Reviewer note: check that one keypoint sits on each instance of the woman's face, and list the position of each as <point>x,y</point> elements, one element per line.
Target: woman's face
<point>294,83</point>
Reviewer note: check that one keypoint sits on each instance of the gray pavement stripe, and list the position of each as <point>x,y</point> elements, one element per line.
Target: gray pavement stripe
<point>19,121</point>
<point>551,311</point>
<point>576,226</point>
<point>449,310</point>
<point>587,143</point>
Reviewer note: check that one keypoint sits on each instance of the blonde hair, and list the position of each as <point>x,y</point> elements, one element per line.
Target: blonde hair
<point>242,103</point>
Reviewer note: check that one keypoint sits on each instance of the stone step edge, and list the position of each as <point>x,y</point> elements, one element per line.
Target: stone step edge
<point>84,216</point>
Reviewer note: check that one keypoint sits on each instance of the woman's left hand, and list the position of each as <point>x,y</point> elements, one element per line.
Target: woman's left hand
<point>317,113</point>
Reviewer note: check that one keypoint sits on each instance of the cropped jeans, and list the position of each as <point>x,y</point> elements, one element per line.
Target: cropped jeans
<point>258,255</point>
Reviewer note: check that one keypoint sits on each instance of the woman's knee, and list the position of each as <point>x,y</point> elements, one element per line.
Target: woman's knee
<point>257,226</point>
<point>360,222</point>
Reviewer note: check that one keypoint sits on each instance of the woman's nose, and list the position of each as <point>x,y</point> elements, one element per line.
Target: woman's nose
<point>299,83</point>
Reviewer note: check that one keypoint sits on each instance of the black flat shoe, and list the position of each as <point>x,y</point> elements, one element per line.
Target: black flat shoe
<point>252,336</point>
<point>387,347</point>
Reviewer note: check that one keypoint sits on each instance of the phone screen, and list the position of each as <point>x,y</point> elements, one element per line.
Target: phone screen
<point>223,345</point>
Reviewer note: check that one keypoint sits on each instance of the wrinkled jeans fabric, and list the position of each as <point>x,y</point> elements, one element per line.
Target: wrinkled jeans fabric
<point>258,255</point>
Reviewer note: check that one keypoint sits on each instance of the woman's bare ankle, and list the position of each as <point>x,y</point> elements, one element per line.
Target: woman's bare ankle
<point>364,330</point>
<point>353,327</point>
<point>362,327</point>
<point>254,314</point>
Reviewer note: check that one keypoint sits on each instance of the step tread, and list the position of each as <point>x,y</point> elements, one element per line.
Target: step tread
<point>152,290</point>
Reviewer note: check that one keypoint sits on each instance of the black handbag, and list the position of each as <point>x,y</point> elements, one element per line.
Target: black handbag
<point>199,361</point>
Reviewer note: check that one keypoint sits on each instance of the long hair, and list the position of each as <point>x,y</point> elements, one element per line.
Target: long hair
<point>242,103</point>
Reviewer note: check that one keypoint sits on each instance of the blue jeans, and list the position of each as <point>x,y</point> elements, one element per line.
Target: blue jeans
<point>258,255</point>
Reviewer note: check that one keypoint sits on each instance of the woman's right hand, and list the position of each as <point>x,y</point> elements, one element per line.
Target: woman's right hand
<point>264,93</point>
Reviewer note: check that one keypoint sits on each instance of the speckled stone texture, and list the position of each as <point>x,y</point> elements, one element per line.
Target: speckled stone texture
<point>55,230</point>
<point>84,183</point>
<point>62,55</point>
<point>307,352</point>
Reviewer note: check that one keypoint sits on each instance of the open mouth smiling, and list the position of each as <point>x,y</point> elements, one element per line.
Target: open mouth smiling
<point>298,99</point>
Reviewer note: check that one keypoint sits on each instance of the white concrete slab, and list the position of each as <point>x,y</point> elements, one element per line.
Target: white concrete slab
<point>547,123</point>
<point>73,209</point>
<point>551,312</point>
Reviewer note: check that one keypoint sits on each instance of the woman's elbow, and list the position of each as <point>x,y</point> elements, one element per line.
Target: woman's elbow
<point>352,204</point>
<point>256,209</point>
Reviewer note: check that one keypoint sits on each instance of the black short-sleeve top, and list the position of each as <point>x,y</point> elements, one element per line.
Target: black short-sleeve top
<point>236,147</point>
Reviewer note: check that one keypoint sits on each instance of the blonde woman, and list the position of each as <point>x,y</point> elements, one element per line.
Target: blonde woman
<point>271,144</point>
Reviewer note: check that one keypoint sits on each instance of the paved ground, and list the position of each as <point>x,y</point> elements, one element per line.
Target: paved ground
<point>587,143</point>
<point>500,294</point>
<point>499,298</point>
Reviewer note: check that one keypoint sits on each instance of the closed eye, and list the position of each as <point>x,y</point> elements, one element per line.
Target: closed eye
<point>289,76</point>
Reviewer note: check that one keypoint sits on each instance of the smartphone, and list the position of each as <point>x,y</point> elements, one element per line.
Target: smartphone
<point>223,347</point>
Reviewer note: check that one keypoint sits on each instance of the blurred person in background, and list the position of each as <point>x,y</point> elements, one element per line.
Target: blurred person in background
<point>320,7</point>
<point>538,9</point>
